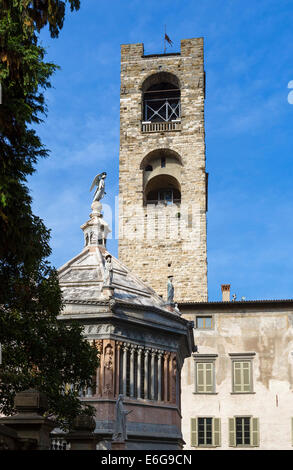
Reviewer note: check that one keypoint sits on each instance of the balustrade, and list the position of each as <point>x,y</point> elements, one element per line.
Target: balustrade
<point>58,443</point>
<point>161,126</point>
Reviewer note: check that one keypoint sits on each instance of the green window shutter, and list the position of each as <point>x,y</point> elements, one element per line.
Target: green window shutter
<point>193,433</point>
<point>246,376</point>
<point>209,377</point>
<point>205,377</point>
<point>254,432</point>
<point>241,376</point>
<point>232,432</point>
<point>237,376</point>
<point>217,432</point>
<point>200,377</point>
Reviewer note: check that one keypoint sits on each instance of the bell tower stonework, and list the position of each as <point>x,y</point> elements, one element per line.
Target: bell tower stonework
<point>162,177</point>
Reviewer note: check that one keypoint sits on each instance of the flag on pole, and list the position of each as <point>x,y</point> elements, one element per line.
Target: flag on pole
<point>169,41</point>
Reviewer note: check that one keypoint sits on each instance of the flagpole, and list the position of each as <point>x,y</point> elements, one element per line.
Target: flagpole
<point>165,41</point>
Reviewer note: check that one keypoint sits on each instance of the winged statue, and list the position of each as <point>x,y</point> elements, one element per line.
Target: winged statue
<point>99,181</point>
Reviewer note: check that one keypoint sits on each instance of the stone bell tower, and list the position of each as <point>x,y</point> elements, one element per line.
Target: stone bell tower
<point>163,179</point>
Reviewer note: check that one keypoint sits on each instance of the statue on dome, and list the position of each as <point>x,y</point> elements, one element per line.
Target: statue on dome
<point>170,290</point>
<point>99,181</point>
<point>108,270</point>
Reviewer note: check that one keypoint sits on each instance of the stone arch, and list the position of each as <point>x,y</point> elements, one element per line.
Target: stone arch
<point>160,153</point>
<point>161,98</point>
<point>159,77</point>
<point>164,188</point>
<point>162,168</point>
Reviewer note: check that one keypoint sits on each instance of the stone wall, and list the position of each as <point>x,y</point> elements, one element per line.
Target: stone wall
<point>157,240</point>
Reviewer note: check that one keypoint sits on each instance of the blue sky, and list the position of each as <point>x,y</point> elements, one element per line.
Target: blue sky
<point>249,121</point>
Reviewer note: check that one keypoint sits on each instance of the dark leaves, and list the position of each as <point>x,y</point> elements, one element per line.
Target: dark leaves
<point>39,351</point>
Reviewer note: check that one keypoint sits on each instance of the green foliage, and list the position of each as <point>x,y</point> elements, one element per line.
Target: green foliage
<point>35,14</point>
<point>38,350</point>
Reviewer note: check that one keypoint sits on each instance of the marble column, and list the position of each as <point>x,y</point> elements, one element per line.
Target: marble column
<point>166,374</point>
<point>124,372</point>
<point>153,374</point>
<point>146,373</point>
<point>160,394</point>
<point>132,369</point>
<point>173,378</point>
<point>117,380</point>
<point>139,366</point>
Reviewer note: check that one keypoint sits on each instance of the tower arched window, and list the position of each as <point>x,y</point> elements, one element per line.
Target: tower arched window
<point>161,171</point>
<point>163,189</point>
<point>161,98</point>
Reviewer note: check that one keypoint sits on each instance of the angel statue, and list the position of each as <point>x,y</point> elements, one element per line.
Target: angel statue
<point>99,181</point>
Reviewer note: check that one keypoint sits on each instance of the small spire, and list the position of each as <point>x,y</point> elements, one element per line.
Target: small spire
<point>95,230</point>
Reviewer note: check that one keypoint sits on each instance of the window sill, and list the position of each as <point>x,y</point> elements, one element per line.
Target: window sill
<point>205,393</point>
<point>244,446</point>
<point>204,329</point>
<point>242,393</point>
<point>207,446</point>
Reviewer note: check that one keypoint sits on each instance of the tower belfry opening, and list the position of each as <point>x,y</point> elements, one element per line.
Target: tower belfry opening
<point>163,189</point>
<point>161,177</point>
<point>161,103</point>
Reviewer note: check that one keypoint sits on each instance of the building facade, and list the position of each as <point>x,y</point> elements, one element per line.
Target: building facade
<point>237,389</point>
<point>162,175</point>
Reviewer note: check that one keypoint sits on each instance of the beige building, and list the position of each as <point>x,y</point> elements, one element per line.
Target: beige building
<point>237,388</point>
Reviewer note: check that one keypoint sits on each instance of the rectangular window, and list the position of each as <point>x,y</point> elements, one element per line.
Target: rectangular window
<point>243,431</point>
<point>204,322</point>
<point>242,376</point>
<point>205,382</point>
<point>205,432</point>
